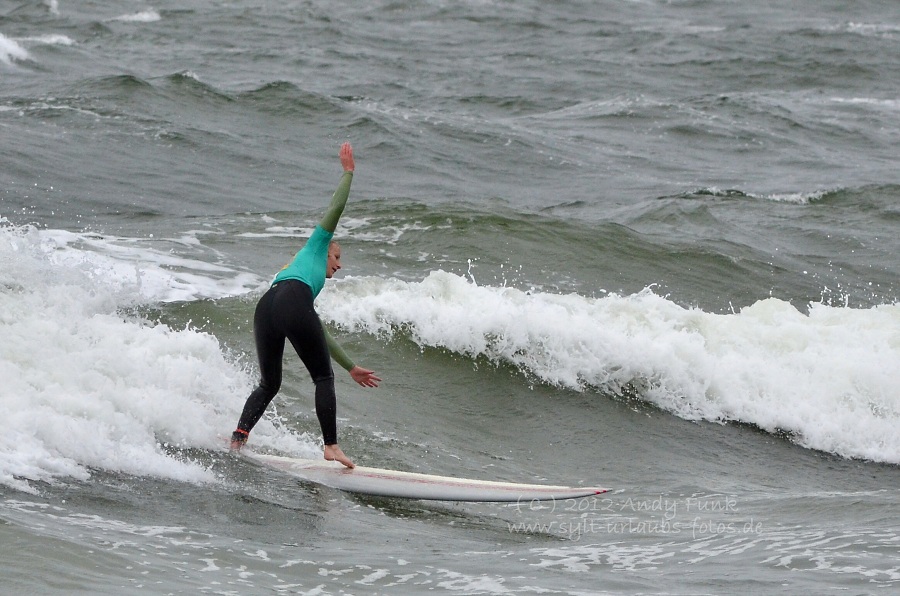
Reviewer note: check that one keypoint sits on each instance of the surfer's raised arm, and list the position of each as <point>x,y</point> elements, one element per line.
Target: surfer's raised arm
<point>363,376</point>
<point>339,198</point>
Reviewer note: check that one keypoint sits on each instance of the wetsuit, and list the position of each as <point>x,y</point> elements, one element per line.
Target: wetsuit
<point>286,312</point>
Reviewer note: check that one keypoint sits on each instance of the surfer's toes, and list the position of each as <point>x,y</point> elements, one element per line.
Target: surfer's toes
<point>335,453</point>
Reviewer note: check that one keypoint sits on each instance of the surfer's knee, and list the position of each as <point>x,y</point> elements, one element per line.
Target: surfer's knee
<point>269,388</point>
<point>324,378</point>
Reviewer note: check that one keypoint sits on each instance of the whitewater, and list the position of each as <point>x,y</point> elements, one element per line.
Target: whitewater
<point>91,383</point>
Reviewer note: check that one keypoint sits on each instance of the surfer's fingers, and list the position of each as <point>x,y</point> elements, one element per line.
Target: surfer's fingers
<point>346,155</point>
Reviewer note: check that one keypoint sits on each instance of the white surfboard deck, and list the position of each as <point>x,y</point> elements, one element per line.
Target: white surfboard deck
<point>410,485</point>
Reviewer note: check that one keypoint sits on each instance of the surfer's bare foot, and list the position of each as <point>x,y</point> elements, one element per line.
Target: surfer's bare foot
<point>238,439</point>
<point>334,453</point>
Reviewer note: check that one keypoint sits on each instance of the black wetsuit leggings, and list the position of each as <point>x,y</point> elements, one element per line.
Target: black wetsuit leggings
<point>286,312</point>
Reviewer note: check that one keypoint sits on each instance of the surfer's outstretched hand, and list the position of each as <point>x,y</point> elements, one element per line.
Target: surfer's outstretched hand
<point>335,453</point>
<point>346,155</point>
<point>364,376</point>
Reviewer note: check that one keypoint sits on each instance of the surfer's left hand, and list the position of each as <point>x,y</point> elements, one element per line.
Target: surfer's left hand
<point>364,376</point>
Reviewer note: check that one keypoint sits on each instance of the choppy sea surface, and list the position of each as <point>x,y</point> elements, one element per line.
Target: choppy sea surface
<point>648,245</point>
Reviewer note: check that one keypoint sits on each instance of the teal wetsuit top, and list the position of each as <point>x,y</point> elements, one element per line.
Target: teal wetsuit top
<point>310,262</point>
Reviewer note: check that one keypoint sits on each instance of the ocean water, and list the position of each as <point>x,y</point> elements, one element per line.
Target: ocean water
<point>648,245</point>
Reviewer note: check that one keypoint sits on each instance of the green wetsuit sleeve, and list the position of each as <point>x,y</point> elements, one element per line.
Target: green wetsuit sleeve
<point>338,202</point>
<point>337,353</point>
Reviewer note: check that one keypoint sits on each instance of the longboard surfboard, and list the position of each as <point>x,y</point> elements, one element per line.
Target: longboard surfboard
<point>412,485</point>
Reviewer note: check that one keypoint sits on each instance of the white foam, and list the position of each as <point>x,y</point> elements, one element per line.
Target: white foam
<point>871,29</point>
<point>50,39</point>
<point>892,104</point>
<point>791,548</point>
<point>360,229</point>
<point>280,232</point>
<point>10,50</point>
<point>158,274</point>
<point>144,16</point>
<point>800,198</point>
<point>87,387</point>
<point>13,50</point>
<point>830,377</point>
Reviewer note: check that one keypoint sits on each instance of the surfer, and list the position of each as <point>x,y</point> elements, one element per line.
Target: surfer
<point>286,311</point>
